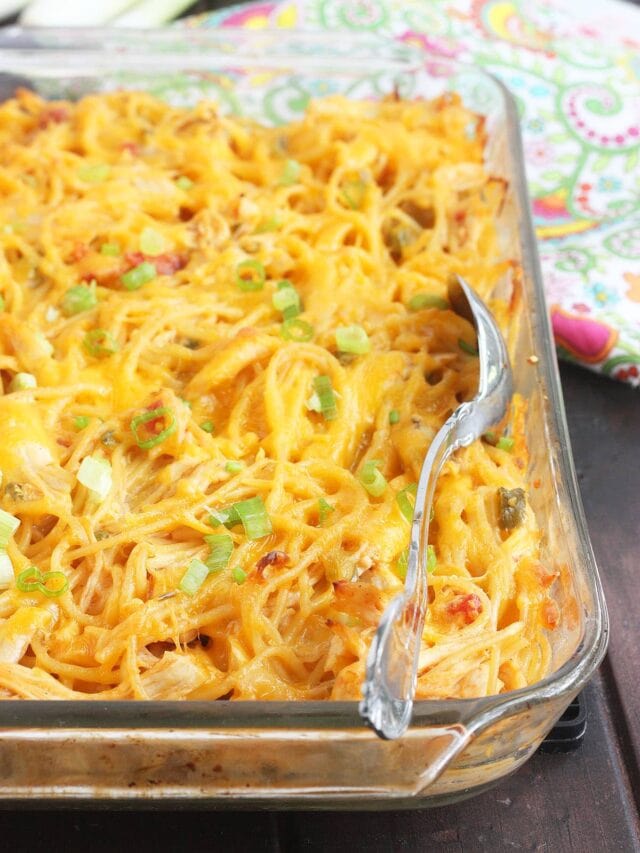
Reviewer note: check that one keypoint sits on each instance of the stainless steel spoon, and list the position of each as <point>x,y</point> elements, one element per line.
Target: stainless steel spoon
<point>391,675</point>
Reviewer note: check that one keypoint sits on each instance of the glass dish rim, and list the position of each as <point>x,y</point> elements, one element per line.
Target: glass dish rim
<point>477,713</point>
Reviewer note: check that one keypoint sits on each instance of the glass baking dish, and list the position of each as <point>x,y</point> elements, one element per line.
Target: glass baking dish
<point>312,754</point>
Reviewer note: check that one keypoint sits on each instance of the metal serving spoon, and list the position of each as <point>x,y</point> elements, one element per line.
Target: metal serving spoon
<point>391,675</point>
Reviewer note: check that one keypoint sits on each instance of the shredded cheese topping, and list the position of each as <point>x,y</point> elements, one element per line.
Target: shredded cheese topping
<point>179,285</point>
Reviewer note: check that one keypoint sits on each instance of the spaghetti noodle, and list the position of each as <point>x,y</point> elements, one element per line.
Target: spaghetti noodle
<point>224,351</point>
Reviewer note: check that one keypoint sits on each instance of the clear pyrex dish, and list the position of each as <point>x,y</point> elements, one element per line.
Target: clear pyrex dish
<point>312,754</point>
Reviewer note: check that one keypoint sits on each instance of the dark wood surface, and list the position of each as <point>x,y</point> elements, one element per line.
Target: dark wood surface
<point>588,800</point>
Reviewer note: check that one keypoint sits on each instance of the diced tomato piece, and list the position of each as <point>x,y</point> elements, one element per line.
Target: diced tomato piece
<point>52,115</point>
<point>468,606</point>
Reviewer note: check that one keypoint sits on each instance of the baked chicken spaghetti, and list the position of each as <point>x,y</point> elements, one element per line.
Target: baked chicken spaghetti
<point>224,351</point>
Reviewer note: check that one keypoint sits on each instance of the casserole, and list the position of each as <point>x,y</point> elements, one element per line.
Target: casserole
<point>316,753</point>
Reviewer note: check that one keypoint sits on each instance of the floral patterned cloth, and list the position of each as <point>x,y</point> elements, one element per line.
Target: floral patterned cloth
<point>577,85</point>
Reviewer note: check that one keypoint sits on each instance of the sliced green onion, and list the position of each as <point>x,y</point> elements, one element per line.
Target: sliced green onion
<point>254,517</point>
<point>324,510</point>
<point>468,348</point>
<point>402,563</point>
<point>23,382</point>
<point>250,275</point>
<point>8,526</point>
<point>352,193</point>
<point>326,397</point>
<point>505,443</point>
<point>33,580</point>
<point>152,415</point>
<point>184,183</point>
<point>100,343</point>
<point>404,504</point>
<point>290,173</point>
<point>372,479</point>
<point>81,422</point>
<point>80,298</point>
<point>6,570</point>
<point>352,339</point>
<point>226,515</point>
<point>207,426</point>
<point>427,300</point>
<point>394,416</point>
<point>286,299</point>
<point>95,474</point>
<point>94,174</point>
<point>238,575</point>
<point>265,226</point>
<point>233,466</point>
<point>295,329</point>
<point>194,577</point>
<point>432,560</point>
<point>136,277</point>
<point>111,250</point>
<point>151,242</point>
<point>221,545</point>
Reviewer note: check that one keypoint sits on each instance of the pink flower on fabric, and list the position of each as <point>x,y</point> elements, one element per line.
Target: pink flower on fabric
<point>539,153</point>
<point>432,44</point>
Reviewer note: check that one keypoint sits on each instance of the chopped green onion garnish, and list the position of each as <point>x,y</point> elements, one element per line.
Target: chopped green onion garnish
<point>8,526</point>
<point>81,422</point>
<point>286,299</point>
<point>151,243</point>
<point>295,329</point>
<point>352,193</point>
<point>227,516</point>
<point>402,564</point>
<point>152,415</point>
<point>290,173</point>
<point>33,580</point>
<point>22,382</point>
<point>326,397</point>
<point>324,510</point>
<point>427,300</point>
<point>221,545</point>
<point>95,474</point>
<point>250,275</point>
<point>238,575</point>
<point>194,577</point>
<point>394,416</point>
<point>432,560</point>
<point>6,570</point>
<point>404,504</point>
<point>136,277</point>
<point>254,517</point>
<point>233,466</point>
<point>505,443</point>
<point>352,339</point>
<point>468,348</point>
<point>373,481</point>
<point>267,225</point>
<point>80,298</point>
<point>184,183</point>
<point>100,343</point>
<point>94,174</point>
<point>111,250</point>
<point>207,426</point>
<point>2,303</point>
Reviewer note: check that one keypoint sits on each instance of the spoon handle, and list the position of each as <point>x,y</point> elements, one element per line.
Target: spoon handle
<point>392,662</point>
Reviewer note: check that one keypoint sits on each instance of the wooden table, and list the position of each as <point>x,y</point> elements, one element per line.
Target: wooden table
<point>588,800</point>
